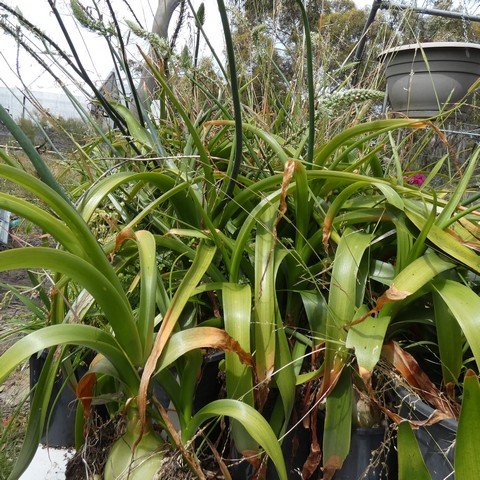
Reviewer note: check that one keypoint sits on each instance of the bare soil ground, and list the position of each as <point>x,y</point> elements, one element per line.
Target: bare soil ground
<point>14,392</point>
<point>12,312</point>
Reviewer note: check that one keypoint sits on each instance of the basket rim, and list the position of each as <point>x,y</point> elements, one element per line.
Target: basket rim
<point>428,45</point>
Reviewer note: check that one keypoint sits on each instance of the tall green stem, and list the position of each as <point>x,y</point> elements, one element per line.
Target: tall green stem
<point>37,161</point>
<point>311,89</point>
<point>235,98</point>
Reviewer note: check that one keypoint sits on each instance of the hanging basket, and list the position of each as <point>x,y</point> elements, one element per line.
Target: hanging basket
<point>426,78</point>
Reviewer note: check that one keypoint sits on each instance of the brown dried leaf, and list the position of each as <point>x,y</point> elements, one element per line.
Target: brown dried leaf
<point>213,123</point>
<point>125,234</point>
<point>84,392</point>
<point>288,172</point>
<point>252,457</point>
<point>421,124</point>
<point>436,417</point>
<point>327,229</point>
<point>472,245</point>
<point>189,457</point>
<point>332,464</point>
<point>471,227</point>
<point>330,379</point>
<point>218,458</point>
<point>391,295</point>
<point>218,338</point>
<point>315,456</point>
<point>366,375</point>
<point>212,338</point>
<point>408,367</point>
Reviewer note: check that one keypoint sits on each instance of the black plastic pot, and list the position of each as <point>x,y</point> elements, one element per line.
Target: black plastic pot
<point>369,459</point>
<point>436,441</point>
<point>208,389</point>
<point>423,79</point>
<point>60,430</point>
<point>209,384</point>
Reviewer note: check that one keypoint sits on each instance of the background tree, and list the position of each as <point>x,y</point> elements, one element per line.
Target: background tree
<point>269,44</point>
<point>338,20</point>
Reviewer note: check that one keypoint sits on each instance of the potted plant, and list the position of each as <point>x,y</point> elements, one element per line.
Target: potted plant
<point>266,225</point>
<point>296,271</point>
<point>425,79</point>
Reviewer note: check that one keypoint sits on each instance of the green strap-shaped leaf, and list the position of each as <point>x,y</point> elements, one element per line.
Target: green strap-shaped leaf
<point>176,245</point>
<point>253,422</point>
<point>464,304</point>
<point>456,198</point>
<point>47,222</point>
<point>446,242</point>
<point>343,294</point>
<point>285,372</point>
<point>139,133</point>
<point>27,301</point>
<point>37,161</point>
<point>338,203</point>
<point>203,259</point>
<point>243,236</point>
<point>118,312</point>
<point>404,242</point>
<point>237,310</point>
<point>181,195</point>
<point>268,138</point>
<point>450,342</point>
<point>467,459</point>
<point>368,336</point>
<point>316,310</point>
<point>258,189</point>
<point>341,309</point>
<point>264,306</point>
<point>10,160</point>
<point>187,379</point>
<point>390,195</point>
<point>303,207</point>
<point>419,245</point>
<point>70,216</point>
<point>378,126</point>
<point>148,289</point>
<point>63,334</point>
<point>338,423</point>
<point>410,461</point>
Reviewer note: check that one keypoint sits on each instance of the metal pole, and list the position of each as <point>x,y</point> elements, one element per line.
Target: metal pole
<point>377,4</point>
<point>24,101</point>
<point>384,5</point>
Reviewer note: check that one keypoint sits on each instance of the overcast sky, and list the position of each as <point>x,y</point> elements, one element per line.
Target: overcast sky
<point>93,48</point>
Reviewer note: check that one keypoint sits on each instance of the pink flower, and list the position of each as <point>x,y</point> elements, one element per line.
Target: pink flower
<point>416,179</point>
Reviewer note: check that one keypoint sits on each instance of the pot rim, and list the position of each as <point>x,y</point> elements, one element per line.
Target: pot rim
<point>427,45</point>
<point>416,403</point>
